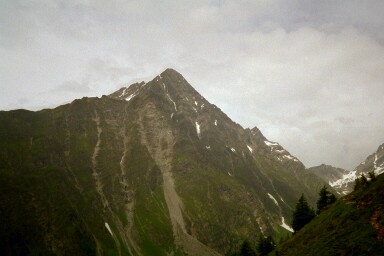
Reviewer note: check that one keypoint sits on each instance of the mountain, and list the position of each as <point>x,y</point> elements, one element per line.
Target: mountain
<point>345,183</point>
<point>329,174</point>
<point>354,225</point>
<point>152,169</point>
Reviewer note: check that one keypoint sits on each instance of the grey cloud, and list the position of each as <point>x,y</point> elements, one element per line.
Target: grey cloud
<point>72,86</point>
<point>307,73</point>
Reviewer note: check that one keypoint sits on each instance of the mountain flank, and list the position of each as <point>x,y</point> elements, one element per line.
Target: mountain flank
<point>152,169</point>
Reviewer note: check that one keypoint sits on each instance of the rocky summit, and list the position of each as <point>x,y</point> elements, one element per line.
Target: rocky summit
<point>151,169</point>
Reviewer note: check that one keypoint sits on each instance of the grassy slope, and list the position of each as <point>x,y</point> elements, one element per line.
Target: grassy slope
<point>48,200</point>
<point>345,228</point>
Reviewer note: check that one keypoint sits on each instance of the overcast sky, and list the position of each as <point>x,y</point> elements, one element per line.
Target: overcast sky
<point>308,74</point>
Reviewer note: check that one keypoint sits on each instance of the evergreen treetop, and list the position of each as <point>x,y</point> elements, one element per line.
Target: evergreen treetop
<point>302,215</point>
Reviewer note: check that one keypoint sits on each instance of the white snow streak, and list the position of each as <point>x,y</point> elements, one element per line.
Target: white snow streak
<point>273,199</point>
<point>290,158</point>
<point>270,143</point>
<point>109,229</point>
<point>130,97</point>
<point>378,169</point>
<point>123,93</point>
<point>284,225</point>
<point>215,122</point>
<point>197,128</point>
<point>250,149</point>
<point>169,97</point>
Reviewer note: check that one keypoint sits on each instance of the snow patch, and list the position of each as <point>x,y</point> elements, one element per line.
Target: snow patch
<point>130,97</point>
<point>270,143</point>
<point>233,150</point>
<point>123,93</point>
<point>378,169</point>
<point>208,147</point>
<point>196,103</point>
<point>169,97</point>
<point>230,174</point>
<point>250,149</point>
<point>290,158</point>
<point>284,225</point>
<point>202,106</point>
<point>347,178</point>
<point>197,128</point>
<point>273,199</point>
<point>215,122</point>
<point>109,229</point>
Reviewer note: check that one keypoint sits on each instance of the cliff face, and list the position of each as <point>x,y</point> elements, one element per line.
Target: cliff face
<point>152,169</point>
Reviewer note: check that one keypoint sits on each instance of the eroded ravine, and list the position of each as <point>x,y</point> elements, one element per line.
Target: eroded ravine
<point>124,233</point>
<point>128,198</point>
<point>156,135</point>
<point>96,174</point>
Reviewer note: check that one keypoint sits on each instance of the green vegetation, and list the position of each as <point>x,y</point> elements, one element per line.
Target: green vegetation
<point>354,225</point>
<point>265,245</point>
<point>302,215</point>
<point>326,198</point>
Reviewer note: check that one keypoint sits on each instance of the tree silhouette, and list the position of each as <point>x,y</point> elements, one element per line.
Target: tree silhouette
<point>360,182</point>
<point>326,198</point>
<point>302,215</point>
<point>265,245</point>
<point>246,249</point>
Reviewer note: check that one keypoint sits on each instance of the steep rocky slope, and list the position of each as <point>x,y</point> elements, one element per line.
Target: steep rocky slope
<point>152,169</point>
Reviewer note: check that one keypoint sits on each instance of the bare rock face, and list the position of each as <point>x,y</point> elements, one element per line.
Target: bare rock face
<point>151,169</point>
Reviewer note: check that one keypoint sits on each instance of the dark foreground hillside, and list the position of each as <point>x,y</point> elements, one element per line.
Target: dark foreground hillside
<point>354,225</point>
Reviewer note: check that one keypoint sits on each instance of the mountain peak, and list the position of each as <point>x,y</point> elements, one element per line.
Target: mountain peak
<point>170,72</point>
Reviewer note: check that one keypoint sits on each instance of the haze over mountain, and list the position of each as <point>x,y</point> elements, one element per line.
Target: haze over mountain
<point>152,169</point>
<point>307,73</point>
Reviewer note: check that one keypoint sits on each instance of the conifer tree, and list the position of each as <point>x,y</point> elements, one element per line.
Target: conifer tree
<point>326,198</point>
<point>265,245</point>
<point>302,215</point>
<point>360,182</point>
<point>246,249</point>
